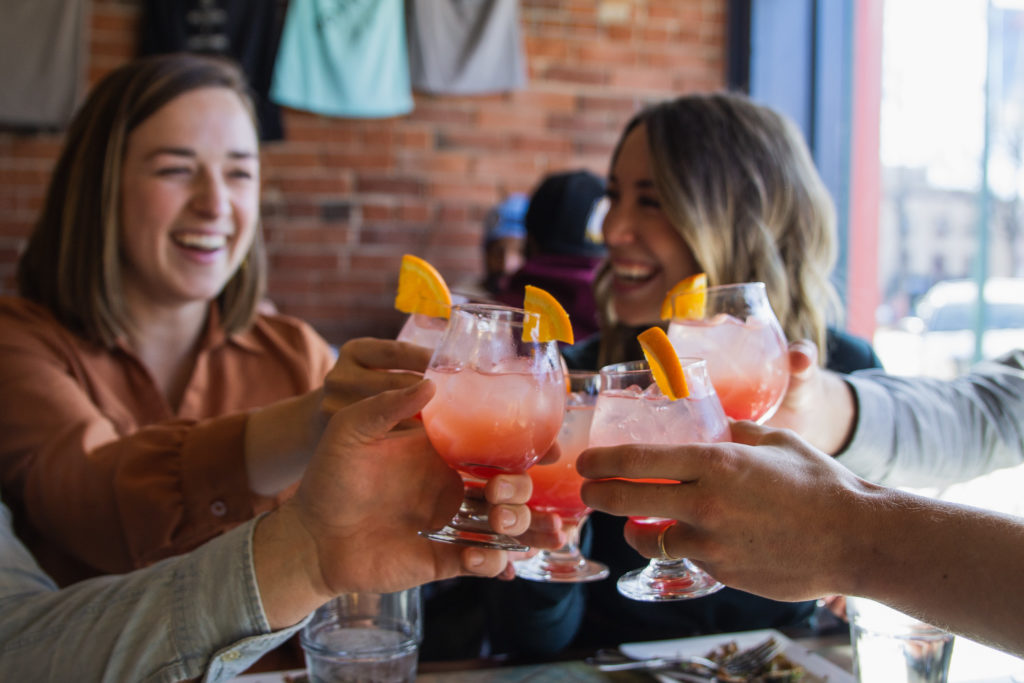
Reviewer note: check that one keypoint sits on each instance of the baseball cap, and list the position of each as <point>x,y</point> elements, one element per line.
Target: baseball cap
<point>560,210</point>
<point>506,219</point>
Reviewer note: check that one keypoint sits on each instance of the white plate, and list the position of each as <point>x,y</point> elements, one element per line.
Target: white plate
<point>819,669</point>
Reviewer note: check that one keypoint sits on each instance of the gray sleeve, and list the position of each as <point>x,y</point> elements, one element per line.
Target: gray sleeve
<point>194,615</point>
<point>920,432</point>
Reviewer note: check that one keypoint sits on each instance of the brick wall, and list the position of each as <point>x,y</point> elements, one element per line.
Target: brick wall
<point>344,199</point>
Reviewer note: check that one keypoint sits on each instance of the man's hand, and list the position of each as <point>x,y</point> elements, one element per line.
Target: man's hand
<point>353,524</point>
<point>767,514</point>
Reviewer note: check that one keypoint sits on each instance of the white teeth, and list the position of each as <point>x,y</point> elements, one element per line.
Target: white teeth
<point>632,272</point>
<point>202,241</point>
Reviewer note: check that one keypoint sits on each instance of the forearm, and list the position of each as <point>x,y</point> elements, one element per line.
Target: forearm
<point>956,567</point>
<point>830,424</point>
<point>279,440</point>
<point>286,566</point>
<point>923,432</point>
<point>172,617</point>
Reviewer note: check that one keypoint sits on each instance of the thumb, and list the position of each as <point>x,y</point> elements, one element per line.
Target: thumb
<point>372,418</point>
<point>803,356</point>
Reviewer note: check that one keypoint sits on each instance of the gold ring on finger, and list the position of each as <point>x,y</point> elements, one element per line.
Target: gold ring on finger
<point>661,545</point>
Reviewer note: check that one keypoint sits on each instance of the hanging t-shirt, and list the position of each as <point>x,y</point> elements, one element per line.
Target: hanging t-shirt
<point>465,46</point>
<point>246,30</point>
<point>344,58</point>
<point>42,57</point>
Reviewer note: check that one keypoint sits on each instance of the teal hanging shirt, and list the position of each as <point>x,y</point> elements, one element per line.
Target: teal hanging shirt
<point>344,58</point>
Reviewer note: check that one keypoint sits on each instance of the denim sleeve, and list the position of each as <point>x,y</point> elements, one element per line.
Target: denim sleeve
<point>197,615</point>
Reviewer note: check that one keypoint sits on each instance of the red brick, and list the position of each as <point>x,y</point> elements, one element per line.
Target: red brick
<point>620,107</point>
<point>295,260</point>
<point>313,184</point>
<point>360,161</point>
<point>388,185</point>
<point>344,198</point>
<point>640,79</point>
<point>577,74</point>
<point>430,112</point>
<point>505,166</point>
<point>540,142</point>
<point>467,190</point>
<point>438,162</point>
<point>472,139</point>
<point>511,118</point>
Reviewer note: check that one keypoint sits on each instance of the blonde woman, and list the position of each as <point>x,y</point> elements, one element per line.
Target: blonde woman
<point>710,183</point>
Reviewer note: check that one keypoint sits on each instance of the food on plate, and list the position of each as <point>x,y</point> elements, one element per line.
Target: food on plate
<point>779,668</point>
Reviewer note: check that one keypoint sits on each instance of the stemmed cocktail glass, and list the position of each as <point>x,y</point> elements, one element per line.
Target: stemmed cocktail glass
<point>556,488</point>
<point>631,409</point>
<point>498,406</point>
<point>741,340</point>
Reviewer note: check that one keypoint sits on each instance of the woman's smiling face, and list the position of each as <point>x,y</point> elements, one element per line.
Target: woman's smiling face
<point>189,197</point>
<point>646,252</point>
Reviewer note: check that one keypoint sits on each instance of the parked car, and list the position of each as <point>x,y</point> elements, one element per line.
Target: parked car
<point>938,341</point>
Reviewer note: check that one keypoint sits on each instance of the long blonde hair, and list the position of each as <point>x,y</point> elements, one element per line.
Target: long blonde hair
<point>77,233</point>
<point>737,181</point>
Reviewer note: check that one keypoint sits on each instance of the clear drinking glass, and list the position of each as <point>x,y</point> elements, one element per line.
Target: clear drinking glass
<point>556,488</point>
<point>365,637</point>
<point>499,404</point>
<point>426,330</point>
<point>631,409</point>
<point>743,344</point>
<point>892,646</point>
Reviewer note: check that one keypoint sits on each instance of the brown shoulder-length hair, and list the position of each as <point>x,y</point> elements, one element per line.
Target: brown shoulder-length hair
<point>72,263</point>
<point>737,181</point>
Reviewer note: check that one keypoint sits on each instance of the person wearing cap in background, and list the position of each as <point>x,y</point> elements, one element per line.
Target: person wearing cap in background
<point>563,247</point>
<point>504,243</point>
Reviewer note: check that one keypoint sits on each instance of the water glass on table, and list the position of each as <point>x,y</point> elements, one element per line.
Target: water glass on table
<point>630,409</point>
<point>891,646</point>
<point>736,331</point>
<point>365,637</point>
<point>556,489</point>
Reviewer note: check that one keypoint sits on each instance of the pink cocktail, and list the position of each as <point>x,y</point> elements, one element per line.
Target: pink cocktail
<point>744,346</point>
<point>556,489</point>
<point>486,423</point>
<point>497,408</point>
<point>630,409</point>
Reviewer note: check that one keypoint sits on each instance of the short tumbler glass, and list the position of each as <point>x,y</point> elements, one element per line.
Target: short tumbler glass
<point>365,637</point>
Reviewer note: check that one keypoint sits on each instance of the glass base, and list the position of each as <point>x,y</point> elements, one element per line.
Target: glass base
<point>662,581</point>
<point>470,526</point>
<point>556,567</point>
<point>492,540</point>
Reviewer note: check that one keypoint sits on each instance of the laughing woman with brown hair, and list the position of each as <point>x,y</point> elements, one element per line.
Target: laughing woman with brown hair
<point>145,404</point>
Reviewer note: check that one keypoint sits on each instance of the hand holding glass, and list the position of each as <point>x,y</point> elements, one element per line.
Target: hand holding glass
<point>498,407</point>
<point>743,344</point>
<point>630,409</point>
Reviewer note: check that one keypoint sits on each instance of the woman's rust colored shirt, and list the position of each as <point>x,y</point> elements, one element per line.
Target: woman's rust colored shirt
<point>102,475</point>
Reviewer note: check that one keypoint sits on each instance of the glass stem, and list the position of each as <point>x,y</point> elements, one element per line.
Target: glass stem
<point>472,514</point>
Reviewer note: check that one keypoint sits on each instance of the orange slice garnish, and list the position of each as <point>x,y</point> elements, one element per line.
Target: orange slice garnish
<point>551,323</point>
<point>664,362</point>
<point>688,297</point>
<point>421,289</point>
